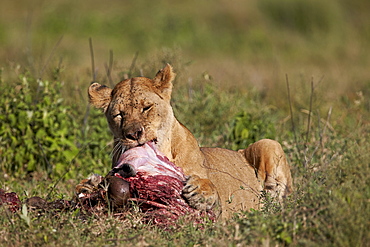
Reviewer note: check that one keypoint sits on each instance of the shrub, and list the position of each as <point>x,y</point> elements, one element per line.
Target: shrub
<point>248,127</point>
<point>39,132</point>
<point>205,110</point>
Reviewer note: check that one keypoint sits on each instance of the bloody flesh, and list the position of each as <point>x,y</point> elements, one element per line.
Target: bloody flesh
<point>10,199</point>
<point>157,184</point>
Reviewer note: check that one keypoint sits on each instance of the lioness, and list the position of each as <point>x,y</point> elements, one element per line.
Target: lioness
<point>138,110</point>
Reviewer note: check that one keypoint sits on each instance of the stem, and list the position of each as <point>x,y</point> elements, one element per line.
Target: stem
<point>309,114</point>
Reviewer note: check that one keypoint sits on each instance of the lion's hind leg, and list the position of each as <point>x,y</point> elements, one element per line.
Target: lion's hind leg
<point>272,169</point>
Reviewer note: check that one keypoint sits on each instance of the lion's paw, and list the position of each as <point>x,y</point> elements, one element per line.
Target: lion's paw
<point>201,194</point>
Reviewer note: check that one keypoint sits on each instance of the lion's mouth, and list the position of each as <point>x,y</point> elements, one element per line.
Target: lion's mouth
<point>128,144</point>
<point>154,141</point>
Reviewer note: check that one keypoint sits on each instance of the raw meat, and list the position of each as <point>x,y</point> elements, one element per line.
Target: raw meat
<point>10,200</point>
<point>148,161</point>
<point>156,184</point>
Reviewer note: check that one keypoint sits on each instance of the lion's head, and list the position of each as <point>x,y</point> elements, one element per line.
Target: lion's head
<point>138,109</point>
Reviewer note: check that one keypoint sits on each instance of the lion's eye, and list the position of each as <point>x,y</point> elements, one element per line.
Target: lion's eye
<point>118,115</point>
<point>147,108</point>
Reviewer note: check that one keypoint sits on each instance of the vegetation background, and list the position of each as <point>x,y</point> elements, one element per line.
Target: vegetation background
<point>294,71</point>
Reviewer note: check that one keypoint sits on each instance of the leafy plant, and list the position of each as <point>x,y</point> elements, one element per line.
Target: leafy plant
<point>208,115</point>
<point>39,132</point>
<point>248,127</point>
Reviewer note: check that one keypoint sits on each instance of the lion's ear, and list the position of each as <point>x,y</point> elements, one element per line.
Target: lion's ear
<point>99,95</point>
<point>163,80</point>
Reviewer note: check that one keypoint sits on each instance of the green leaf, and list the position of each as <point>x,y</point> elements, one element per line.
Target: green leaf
<point>40,134</point>
<point>12,119</point>
<point>24,215</point>
<point>244,134</point>
<point>31,165</point>
<point>70,154</point>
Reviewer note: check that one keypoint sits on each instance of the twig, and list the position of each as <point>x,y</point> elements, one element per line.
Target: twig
<point>109,68</point>
<point>293,125</point>
<point>65,173</point>
<point>327,124</point>
<point>291,111</point>
<point>323,121</point>
<point>309,114</point>
<point>49,167</point>
<point>133,63</point>
<point>92,60</point>
<point>87,113</point>
<point>316,146</point>
<point>50,56</point>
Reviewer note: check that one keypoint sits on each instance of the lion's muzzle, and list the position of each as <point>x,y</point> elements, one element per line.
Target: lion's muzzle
<point>134,132</point>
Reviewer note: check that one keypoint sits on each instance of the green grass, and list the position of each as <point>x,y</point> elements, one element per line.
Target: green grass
<point>231,60</point>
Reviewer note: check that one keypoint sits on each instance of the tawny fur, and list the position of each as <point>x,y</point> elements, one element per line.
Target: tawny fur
<point>138,110</point>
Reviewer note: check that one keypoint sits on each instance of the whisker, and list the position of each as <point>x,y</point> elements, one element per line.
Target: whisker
<point>118,149</point>
<point>115,150</point>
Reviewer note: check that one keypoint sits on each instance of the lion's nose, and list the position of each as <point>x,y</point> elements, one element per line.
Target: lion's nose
<point>134,133</point>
